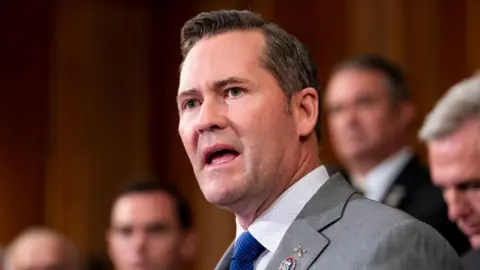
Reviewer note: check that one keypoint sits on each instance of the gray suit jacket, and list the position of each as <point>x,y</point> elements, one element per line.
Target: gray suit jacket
<point>342,230</point>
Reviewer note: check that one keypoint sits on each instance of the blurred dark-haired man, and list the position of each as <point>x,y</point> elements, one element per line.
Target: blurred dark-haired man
<point>150,228</point>
<point>369,112</point>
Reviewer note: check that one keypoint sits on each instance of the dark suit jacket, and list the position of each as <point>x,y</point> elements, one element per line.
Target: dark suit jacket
<point>471,260</point>
<point>414,193</point>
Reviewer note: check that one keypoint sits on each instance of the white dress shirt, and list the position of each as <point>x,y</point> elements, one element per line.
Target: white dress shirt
<point>378,181</point>
<point>271,226</point>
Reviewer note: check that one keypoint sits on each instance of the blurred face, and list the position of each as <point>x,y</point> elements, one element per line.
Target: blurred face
<point>454,163</point>
<point>40,253</point>
<point>234,123</point>
<point>145,233</point>
<point>363,124</point>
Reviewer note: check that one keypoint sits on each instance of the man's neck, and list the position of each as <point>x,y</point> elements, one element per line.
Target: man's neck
<point>361,167</point>
<point>307,163</point>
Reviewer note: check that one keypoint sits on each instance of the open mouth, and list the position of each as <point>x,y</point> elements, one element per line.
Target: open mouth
<point>220,156</point>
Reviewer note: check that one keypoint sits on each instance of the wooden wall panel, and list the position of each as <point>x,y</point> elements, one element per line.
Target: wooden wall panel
<point>99,114</point>
<point>473,38</point>
<point>453,42</point>
<point>24,84</point>
<point>422,61</point>
<point>363,26</point>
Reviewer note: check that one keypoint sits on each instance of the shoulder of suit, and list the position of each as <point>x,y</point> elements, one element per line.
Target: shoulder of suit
<point>368,211</point>
<point>373,218</point>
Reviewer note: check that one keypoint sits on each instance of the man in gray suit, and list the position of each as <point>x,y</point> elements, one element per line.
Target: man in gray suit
<point>249,109</point>
<point>452,134</point>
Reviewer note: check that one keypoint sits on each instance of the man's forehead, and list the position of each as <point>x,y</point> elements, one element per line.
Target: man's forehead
<point>39,249</point>
<point>464,141</point>
<point>448,152</point>
<point>365,83</point>
<point>231,54</point>
<point>35,239</point>
<point>142,205</point>
<point>454,159</point>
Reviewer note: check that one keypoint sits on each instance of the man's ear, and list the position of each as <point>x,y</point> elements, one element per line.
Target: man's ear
<point>190,242</point>
<point>304,106</point>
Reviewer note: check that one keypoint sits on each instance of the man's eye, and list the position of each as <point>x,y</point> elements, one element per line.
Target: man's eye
<point>158,229</point>
<point>333,110</point>
<point>190,104</point>
<point>365,103</point>
<point>472,186</point>
<point>235,91</point>
<point>125,231</point>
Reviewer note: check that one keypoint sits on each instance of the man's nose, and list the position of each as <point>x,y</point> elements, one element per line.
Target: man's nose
<point>212,116</point>
<point>347,120</point>
<point>139,241</point>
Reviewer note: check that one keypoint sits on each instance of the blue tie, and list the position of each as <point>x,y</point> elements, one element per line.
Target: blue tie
<point>246,251</point>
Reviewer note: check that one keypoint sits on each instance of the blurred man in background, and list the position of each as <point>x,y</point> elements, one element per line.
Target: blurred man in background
<point>369,112</point>
<point>150,229</point>
<point>41,249</point>
<point>452,134</point>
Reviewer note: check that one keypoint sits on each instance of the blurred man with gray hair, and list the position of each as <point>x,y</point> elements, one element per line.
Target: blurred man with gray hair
<point>41,249</point>
<point>452,134</point>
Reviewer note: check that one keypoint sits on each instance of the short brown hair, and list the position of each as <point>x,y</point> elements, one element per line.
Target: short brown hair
<point>398,88</point>
<point>289,61</point>
<point>146,186</point>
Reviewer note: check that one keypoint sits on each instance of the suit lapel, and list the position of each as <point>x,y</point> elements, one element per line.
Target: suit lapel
<point>299,236</point>
<point>224,263</point>
<point>395,195</point>
<point>325,208</point>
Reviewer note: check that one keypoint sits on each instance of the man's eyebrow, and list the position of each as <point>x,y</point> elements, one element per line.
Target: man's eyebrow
<point>471,184</point>
<point>121,227</point>
<point>188,92</point>
<point>216,85</point>
<point>229,81</point>
<point>157,225</point>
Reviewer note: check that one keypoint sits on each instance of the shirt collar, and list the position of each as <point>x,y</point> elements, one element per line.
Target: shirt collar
<point>271,226</point>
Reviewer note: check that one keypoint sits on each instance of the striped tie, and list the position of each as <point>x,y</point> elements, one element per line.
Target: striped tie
<point>247,249</point>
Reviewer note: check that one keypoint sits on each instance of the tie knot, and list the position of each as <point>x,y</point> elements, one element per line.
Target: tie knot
<point>247,248</point>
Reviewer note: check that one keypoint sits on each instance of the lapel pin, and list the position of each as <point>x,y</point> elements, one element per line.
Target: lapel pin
<point>395,196</point>
<point>300,251</point>
<point>287,264</point>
